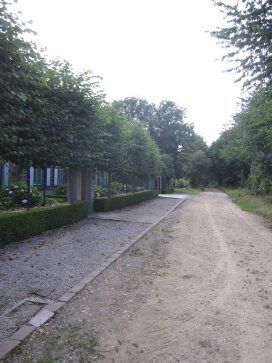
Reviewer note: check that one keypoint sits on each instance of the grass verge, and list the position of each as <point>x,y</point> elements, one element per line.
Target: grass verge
<point>261,205</point>
<point>191,191</point>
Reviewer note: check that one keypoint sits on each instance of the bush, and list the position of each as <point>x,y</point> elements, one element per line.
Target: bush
<point>61,190</point>
<point>181,183</point>
<point>15,195</point>
<point>16,226</point>
<point>119,201</point>
<point>116,188</point>
<point>100,192</point>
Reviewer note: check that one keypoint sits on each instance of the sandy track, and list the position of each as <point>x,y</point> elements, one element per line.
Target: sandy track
<point>200,290</point>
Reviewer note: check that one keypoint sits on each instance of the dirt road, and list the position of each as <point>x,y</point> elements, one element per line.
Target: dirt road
<point>197,289</point>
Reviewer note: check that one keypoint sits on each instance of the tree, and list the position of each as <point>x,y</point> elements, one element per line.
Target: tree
<point>143,155</point>
<point>199,169</point>
<point>137,109</point>
<point>248,36</point>
<point>49,114</point>
<point>165,124</point>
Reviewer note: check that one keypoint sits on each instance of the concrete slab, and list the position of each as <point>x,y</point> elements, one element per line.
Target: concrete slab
<point>23,332</point>
<point>67,296</point>
<point>6,346</point>
<point>55,306</point>
<point>77,287</point>
<point>125,217</point>
<point>41,318</point>
<point>174,196</point>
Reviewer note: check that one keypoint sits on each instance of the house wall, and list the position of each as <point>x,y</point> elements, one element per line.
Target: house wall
<point>101,178</point>
<point>4,173</point>
<point>54,176</point>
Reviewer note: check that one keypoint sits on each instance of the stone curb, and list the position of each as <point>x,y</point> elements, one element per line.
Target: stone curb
<point>7,345</point>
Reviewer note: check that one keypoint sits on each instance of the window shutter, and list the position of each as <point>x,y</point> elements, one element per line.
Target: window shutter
<point>5,173</point>
<point>31,176</point>
<point>48,172</point>
<point>55,177</point>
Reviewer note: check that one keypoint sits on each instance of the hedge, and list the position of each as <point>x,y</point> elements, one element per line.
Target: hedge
<point>106,204</point>
<point>15,226</point>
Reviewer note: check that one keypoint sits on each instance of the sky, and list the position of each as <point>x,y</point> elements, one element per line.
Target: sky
<point>153,49</point>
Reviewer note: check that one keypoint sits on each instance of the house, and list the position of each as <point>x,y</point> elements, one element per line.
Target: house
<point>4,173</point>
<point>12,173</point>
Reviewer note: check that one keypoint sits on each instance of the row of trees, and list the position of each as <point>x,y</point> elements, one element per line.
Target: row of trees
<point>243,153</point>
<point>51,115</point>
<point>181,148</point>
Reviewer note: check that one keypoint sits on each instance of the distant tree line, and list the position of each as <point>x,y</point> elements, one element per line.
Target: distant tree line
<point>51,115</point>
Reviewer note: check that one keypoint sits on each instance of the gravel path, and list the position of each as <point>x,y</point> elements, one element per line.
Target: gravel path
<point>45,267</point>
<point>197,288</point>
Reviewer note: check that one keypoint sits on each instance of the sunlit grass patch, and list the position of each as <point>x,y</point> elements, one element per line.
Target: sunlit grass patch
<point>261,205</point>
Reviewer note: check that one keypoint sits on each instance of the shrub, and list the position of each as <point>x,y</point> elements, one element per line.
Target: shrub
<point>61,190</point>
<point>116,188</point>
<point>181,183</point>
<point>16,195</point>
<point>100,192</point>
<point>119,201</point>
<point>15,226</point>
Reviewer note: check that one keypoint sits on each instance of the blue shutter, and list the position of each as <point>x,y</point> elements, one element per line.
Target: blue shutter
<point>31,176</point>
<point>48,176</point>
<point>5,173</point>
<point>55,177</point>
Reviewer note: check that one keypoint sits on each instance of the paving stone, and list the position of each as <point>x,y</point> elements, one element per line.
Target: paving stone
<point>77,287</point>
<point>88,279</point>
<point>55,306</point>
<point>7,345</point>
<point>23,332</point>
<point>41,318</point>
<point>67,296</point>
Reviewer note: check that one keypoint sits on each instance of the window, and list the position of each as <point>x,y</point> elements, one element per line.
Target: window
<point>38,177</point>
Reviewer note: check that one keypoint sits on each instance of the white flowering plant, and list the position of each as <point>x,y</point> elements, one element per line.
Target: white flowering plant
<point>16,195</point>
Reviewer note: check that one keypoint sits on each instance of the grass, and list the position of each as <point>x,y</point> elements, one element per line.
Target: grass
<point>261,205</point>
<point>136,252</point>
<point>71,339</point>
<point>191,191</point>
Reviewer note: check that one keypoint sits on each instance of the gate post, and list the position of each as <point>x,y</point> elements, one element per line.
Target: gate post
<point>73,185</point>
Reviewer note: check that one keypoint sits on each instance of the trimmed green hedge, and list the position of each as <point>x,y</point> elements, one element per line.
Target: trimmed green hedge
<point>119,201</point>
<point>15,226</point>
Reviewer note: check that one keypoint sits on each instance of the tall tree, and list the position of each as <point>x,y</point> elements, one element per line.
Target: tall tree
<point>48,114</point>
<point>248,36</point>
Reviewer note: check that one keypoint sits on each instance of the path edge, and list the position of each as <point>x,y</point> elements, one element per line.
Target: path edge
<point>45,314</point>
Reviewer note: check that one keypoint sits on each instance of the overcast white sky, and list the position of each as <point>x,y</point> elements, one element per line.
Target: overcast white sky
<point>154,49</point>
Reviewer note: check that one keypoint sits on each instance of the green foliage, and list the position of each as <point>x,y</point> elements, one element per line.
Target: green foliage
<point>16,195</point>
<point>100,192</point>
<point>261,205</point>
<point>199,169</point>
<point>16,226</point>
<point>49,114</point>
<point>167,128</point>
<point>61,190</point>
<point>116,188</point>
<point>120,201</point>
<point>181,183</point>
<point>143,155</point>
<point>243,154</point>
<point>248,36</point>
